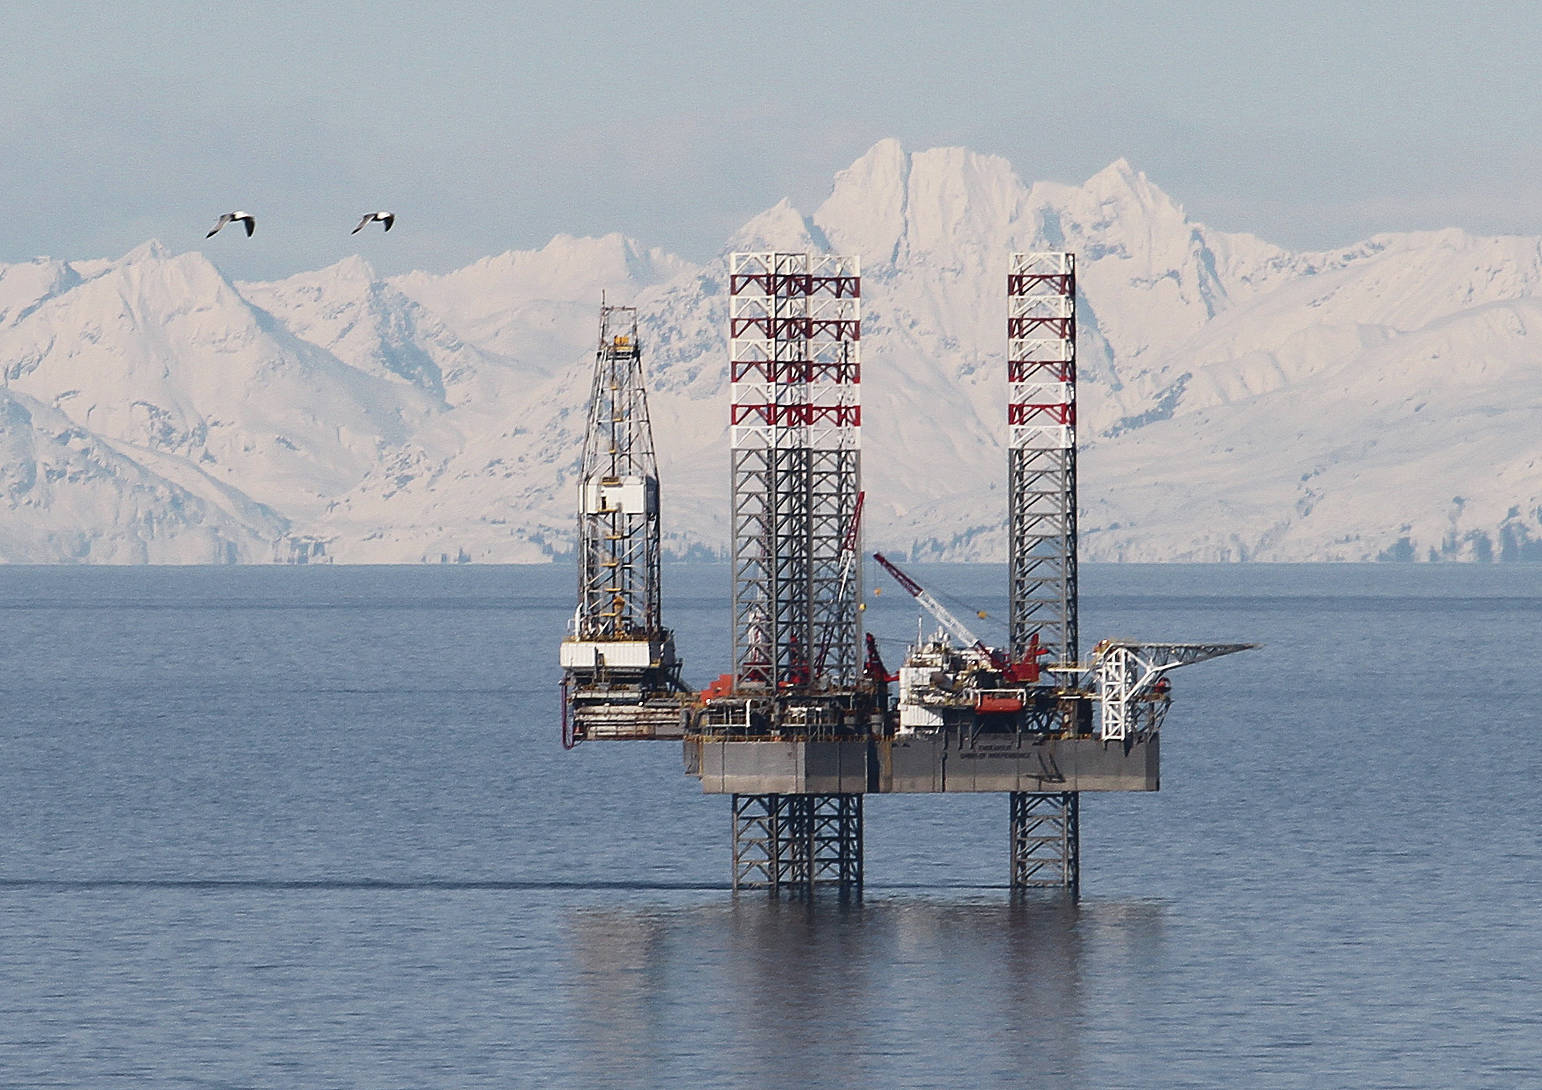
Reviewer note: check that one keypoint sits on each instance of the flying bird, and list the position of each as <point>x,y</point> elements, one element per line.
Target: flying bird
<point>239,217</point>
<point>386,218</point>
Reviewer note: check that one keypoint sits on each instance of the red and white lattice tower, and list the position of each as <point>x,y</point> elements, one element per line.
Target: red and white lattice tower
<point>796,417</point>
<point>1041,416</point>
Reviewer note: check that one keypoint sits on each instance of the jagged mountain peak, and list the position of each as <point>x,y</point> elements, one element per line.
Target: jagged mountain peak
<point>353,269</point>
<point>1119,174</point>
<point>1120,182</point>
<point>891,205</point>
<point>611,256</point>
<point>1108,212</point>
<point>865,211</point>
<point>369,324</point>
<point>27,285</point>
<point>158,277</point>
<point>152,249</point>
<point>149,290</point>
<point>565,268</point>
<point>1237,400</point>
<point>780,227</point>
<point>352,278</point>
<point>886,157</point>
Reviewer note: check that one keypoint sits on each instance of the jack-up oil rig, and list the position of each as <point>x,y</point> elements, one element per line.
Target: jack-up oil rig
<point>805,725</point>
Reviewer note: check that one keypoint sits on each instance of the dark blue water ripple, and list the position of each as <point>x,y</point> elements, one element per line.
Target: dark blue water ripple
<point>283,828</point>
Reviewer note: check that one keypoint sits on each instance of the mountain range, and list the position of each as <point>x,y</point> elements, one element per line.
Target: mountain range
<point>1237,401</point>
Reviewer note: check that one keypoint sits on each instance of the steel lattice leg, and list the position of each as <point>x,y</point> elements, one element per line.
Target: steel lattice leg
<point>757,841</point>
<point>836,841</point>
<point>795,867</point>
<point>797,842</point>
<point>1046,841</point>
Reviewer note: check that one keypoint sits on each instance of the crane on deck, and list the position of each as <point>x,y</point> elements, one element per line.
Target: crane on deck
<point>1025,669</point>
<point>980,686</point>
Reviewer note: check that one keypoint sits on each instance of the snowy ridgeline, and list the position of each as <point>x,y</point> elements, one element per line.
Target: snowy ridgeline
<point>1237,401</point>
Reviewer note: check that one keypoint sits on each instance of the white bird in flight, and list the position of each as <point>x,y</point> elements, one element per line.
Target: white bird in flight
<point>232,217</point>
<point>386,218</point>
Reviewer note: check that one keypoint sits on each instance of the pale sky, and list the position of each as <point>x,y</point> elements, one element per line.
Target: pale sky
<point>487,127</point>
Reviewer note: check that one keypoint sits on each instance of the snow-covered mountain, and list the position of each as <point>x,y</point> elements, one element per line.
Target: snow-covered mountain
<point>1238,401</point>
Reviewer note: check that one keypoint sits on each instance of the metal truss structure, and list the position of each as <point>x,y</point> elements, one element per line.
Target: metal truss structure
<point>796,416</point>
<point>795,369</point>
<point>797,842</point>
<point>621,678</point>
<point>1041,493</point>
<point>1041,484</point>
<point>1131,693</point>
<point>1046,850</point>
<point>618,519</point>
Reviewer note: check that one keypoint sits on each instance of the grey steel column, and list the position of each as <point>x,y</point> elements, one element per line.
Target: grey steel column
<point>797,843</point>
<point>1046,848</point>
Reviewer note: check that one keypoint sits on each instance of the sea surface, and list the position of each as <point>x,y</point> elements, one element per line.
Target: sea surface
<point>313,827</point>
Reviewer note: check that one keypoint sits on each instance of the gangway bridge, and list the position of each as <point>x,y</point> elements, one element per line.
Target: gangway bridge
<point>804,726</point>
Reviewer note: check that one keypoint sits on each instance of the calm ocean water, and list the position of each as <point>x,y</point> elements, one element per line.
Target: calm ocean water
<point>312,827</point>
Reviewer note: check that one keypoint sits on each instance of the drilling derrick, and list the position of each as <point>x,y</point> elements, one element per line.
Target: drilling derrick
<point>621,676</point>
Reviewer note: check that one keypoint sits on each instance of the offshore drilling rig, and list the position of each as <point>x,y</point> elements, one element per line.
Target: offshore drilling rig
<point>805,725</point>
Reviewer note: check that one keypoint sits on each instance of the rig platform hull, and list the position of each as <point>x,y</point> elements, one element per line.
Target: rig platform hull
<point>941,762</point>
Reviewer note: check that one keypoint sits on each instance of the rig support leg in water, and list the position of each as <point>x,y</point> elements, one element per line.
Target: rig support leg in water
<point>1046,842</point>
<point>796,843</point>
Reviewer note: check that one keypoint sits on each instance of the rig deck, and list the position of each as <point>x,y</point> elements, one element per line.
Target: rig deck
<point>946,762</point>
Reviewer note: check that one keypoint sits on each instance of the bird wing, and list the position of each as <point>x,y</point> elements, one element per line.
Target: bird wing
<point>251,224</point>
<point>367,217</point>
<point>388,219</point>
<point>215,229</point>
